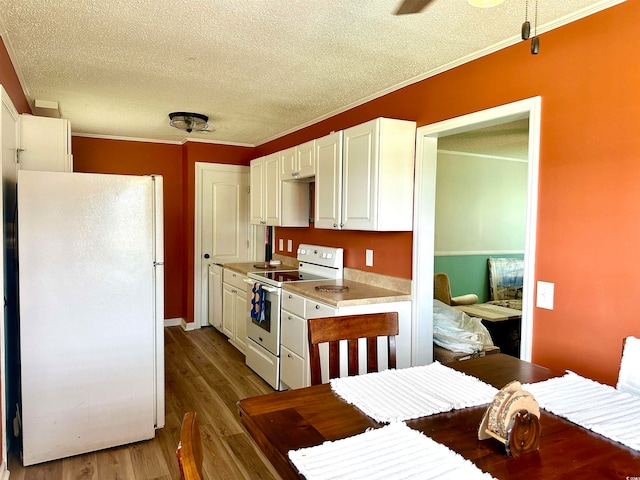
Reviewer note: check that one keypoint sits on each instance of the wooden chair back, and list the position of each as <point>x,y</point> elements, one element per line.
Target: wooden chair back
<point>189,451</point>
<point>442,288</point>
<point>332,330</point>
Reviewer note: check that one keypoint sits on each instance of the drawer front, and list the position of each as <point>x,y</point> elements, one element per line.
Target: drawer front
<point>234,278</point>
<point>293,332</point>
<point>293,303</point>
<point>292,369</point>
<point>264,364</point>
<point>317,310</point>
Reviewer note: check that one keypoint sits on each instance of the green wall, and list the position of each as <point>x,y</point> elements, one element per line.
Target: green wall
<point>468,273</point>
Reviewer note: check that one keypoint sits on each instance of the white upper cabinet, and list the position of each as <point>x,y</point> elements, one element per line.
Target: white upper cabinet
<point>273,202</point>
<point>272,190</point>
<point>373,187</point>
<point>45,144</point>
<point>256,197</point>
<point>328,193</point>
<point>298,162</point>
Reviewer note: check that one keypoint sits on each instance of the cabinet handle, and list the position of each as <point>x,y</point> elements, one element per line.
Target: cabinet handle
<point>335,225</point>
<point>317,307</point>
<point>289,317</point>
<point>290,296</point>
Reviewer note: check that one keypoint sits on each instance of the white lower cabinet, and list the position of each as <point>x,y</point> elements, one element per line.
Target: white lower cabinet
<point>296,310</point>
<point>235,309</point>
<point>295,371</point>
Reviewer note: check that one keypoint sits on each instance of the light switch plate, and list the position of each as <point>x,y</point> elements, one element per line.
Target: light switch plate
<point>280,244</point>
<point>544,296</point>
<point>289,245</point>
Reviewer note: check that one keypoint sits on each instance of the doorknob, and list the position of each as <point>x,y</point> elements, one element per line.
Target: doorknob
<point>206,255</point>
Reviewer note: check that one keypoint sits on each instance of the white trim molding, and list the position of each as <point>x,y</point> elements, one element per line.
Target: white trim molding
<point>424,217</point>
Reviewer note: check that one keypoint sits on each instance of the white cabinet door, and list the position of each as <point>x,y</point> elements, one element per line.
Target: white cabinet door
<point>228,310</point>
<point>241,314</point>
<point>328,191</point>
<point>272,189</point>
<point>298,162</point>
<point>45,144</point>
<point>256,197</point>
<point>359,176</point>
<point>288,164</point>
<point>306,159</point>
<point>215,296</point>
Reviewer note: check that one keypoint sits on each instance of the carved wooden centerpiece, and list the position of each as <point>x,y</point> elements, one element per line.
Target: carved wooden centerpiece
<point>513,418</point>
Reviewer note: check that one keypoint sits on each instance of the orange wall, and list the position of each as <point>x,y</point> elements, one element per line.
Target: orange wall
<point>9,81</point>
<point>210,153</point>
<point>176,163</point>
<point>587,74</point>
<point>96,155</point>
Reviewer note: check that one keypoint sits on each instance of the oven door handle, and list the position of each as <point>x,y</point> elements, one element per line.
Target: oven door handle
<point>264,287</point>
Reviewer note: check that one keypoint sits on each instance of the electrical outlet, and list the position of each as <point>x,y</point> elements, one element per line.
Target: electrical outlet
<point>289,245</point>
<point>280,244</point>
<point>544,296</point>
<point>369,258</point>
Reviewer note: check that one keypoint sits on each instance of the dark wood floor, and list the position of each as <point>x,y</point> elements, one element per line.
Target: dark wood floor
<point>203,373</point>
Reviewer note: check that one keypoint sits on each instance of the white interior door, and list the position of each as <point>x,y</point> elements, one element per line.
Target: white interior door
<point>222,225</point>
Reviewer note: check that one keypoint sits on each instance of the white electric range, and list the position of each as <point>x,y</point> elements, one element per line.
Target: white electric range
<point>263,334</point>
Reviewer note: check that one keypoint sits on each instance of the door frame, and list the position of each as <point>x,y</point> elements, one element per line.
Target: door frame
<point>200,297</point>
<point>424,218</point>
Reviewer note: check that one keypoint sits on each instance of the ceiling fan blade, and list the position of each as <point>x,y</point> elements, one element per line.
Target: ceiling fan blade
<point>412,6</point>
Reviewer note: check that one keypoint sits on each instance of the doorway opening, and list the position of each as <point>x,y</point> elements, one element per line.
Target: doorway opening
<point>424,217</point>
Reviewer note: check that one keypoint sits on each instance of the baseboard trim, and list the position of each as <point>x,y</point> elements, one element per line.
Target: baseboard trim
<point>188,326</point>
<point>173,322</point>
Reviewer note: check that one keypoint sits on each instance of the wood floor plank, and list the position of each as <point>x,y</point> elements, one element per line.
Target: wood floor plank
<point>205,373</point>
<point>80,467</point>
<point>115,464</point>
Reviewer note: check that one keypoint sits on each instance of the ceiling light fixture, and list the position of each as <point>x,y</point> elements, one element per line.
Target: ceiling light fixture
<point>484,3</point>
<point>189,122</point>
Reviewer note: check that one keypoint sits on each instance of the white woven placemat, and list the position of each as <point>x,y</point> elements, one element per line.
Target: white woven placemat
<point>398,395</point>
<point>600,408</point>
<point>392,452</point>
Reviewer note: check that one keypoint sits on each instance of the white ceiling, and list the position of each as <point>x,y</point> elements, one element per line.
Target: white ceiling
<point>257,68</point>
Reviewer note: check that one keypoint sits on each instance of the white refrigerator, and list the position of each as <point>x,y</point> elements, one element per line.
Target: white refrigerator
<point>91,283</point>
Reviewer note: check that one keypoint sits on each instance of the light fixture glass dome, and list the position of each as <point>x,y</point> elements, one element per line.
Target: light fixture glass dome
<point>484,3</point>
<point>188,121</point>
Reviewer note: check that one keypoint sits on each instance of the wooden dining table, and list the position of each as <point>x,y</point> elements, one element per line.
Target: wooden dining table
<point>283,421</point>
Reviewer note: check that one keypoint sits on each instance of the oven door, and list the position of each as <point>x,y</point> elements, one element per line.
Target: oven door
<point>266,332</point>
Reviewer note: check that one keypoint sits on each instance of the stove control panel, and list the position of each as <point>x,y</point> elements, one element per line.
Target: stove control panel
<point>326,256</point>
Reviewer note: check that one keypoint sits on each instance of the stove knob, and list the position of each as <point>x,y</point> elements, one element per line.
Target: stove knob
<point>329,255</point>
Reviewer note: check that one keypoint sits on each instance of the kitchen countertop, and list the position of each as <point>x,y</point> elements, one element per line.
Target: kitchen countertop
<point>358,294</point>
<point>246,267</point>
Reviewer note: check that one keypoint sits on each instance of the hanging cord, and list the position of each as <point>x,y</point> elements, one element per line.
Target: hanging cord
<point>526,26</point>
<point>535,40</point>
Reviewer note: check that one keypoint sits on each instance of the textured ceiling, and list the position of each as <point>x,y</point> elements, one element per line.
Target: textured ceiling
<point>257,68</point>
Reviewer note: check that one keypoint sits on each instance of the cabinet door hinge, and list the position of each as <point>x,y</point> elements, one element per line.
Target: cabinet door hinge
<point>19,154</point>
<point>248,189</point>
